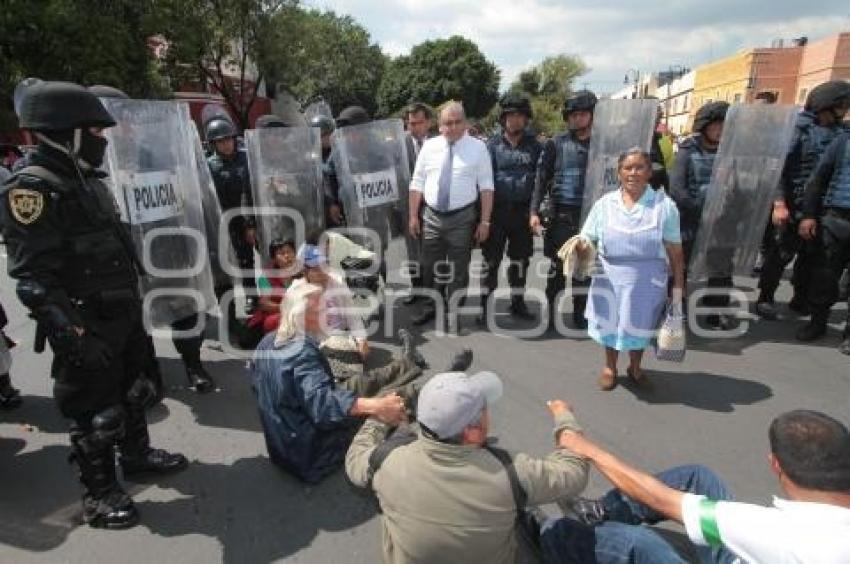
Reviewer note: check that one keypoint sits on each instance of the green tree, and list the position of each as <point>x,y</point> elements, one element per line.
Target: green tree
<point>440,70</point>
<point>83,41</point>
<point>318,54</point>
<point>548,84</point>
<point>225,43</point>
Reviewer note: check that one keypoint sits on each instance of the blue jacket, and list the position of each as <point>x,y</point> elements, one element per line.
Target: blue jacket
<point>829,185</point>
<point>689,182</point>
<point>305,418</point>
<point>561,171</point>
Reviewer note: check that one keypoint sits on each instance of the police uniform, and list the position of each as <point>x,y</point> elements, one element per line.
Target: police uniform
<point>689,183</point>
<point>514,171</point>
<point>76,272</point>
<point>561,174</point>
<point>827,199</point>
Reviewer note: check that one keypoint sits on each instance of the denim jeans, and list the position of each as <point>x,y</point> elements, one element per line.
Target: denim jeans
<point>623,538</point>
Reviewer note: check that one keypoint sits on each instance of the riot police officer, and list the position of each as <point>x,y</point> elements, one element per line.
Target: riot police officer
<point>689,182</point>
<point>229,168</point>
<point>817,125</point>
<point>561,173</point>
<point>333,209</point>
<point>76,272</point>
<point>514,154</point>
<point>826,218</point>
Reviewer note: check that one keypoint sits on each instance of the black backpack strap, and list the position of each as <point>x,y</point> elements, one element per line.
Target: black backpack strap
<point>398,438</point>
<point>503,456</point>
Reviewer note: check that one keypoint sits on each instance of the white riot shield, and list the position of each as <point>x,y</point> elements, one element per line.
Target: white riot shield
<point>746,172</point>
<point>154,177</point>
<point>218,244</point>
<point>320,108</point>
<point>286,180</point>
<point>618,125</point>
<point>374,177</point>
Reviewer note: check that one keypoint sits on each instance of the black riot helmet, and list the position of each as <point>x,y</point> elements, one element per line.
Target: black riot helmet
<point>270,120</point>
<point>61,106</point>
<point>219,128</point>
<point>582,100</point>
<point>103,91</point>
<point>709,113</point>
<point>352,115</point>
<point>324,123</point>
<point>514,102</point>
<point>828,96</point>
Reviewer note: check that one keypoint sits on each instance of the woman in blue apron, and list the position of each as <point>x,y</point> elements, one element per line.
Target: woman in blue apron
<point>636,233</point>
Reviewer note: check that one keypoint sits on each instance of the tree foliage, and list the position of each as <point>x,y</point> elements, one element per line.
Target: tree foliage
<point>440,70</point>
<point>225,43</point>
<point>547,85</point>
<point>319,54</point>
<point>83,41</point>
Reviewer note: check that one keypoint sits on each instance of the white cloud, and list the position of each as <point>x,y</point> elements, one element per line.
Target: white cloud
<point>612,36</point>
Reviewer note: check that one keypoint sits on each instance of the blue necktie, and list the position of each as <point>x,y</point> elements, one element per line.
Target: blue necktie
<point>445,182</point>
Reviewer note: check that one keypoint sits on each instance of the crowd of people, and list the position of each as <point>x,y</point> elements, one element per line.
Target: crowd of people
<point>622,259</point>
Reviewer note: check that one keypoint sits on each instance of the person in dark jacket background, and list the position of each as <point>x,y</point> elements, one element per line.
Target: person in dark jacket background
<point>308,419</point>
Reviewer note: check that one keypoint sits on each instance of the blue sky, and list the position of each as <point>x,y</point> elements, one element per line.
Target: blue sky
<point>611,36</point>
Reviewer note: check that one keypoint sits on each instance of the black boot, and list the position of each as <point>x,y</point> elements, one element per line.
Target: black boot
<point>136,455</point>
<point>461,361</point>
<point>10,397</point>
<point>199,379</point>
<point>519,309</point>
<point>815,328</point>
<point>579,305</point>
<point>589,511</point>
<point>105,504</point>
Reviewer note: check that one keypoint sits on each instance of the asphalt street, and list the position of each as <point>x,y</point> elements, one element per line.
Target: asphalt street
<point>233,505</point>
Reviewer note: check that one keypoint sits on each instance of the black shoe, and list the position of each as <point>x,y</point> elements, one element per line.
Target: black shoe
<point>461,361</point>
<point>199,379</point>
<point>767,310</point>
<point>799,306</point>
<point>579,322</point>
<point>811,331</point>
<point>10,397</point>
<point>519,310</point>
<point>153,461</point>
<point>112,510</point>
<point>591,512</point>
<point>408,349</point>
<point>424,317</point>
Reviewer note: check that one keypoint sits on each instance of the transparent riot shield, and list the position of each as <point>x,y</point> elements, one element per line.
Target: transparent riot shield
<point>618,125</point>
<point>285,106</point>
<point>374,176</point>
<point>153,173</point>
<point>218,244</point>
<point>213,111</point>
<point>746,172</point>
<point>286,180</point>
<point>319,108</point>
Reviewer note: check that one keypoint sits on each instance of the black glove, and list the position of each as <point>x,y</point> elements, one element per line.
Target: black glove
<point>91,353</point>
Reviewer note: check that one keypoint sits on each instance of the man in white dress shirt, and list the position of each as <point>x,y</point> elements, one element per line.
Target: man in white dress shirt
<point>453,180</point>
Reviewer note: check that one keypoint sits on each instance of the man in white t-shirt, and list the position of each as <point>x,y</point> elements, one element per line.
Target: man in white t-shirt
<point>810,456</point>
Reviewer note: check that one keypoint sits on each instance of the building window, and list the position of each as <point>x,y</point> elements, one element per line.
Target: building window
<point>801,97</point>
<point>737,98</point>
<point>685,108</point>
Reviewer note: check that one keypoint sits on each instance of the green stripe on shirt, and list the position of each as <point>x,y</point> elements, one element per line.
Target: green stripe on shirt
<point>708,522</point>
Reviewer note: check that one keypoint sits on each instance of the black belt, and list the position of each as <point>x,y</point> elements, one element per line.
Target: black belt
<point>450,212</point>
<point>843,213</point>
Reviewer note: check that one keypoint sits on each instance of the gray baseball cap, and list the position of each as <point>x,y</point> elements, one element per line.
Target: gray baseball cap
<point>451,401</point>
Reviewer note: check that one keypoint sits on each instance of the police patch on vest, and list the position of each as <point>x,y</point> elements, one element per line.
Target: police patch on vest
<point>26,205</point>
<point>150,197</point>
<point>375,188</point>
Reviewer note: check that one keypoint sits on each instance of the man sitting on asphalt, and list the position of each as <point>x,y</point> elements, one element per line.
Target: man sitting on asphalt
<point>308,418</point>
<point>810,456</point>
<point>445,495</point>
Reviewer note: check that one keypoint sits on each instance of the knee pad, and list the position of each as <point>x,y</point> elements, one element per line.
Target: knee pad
<point>106,429</point>
<point>142,393</point>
